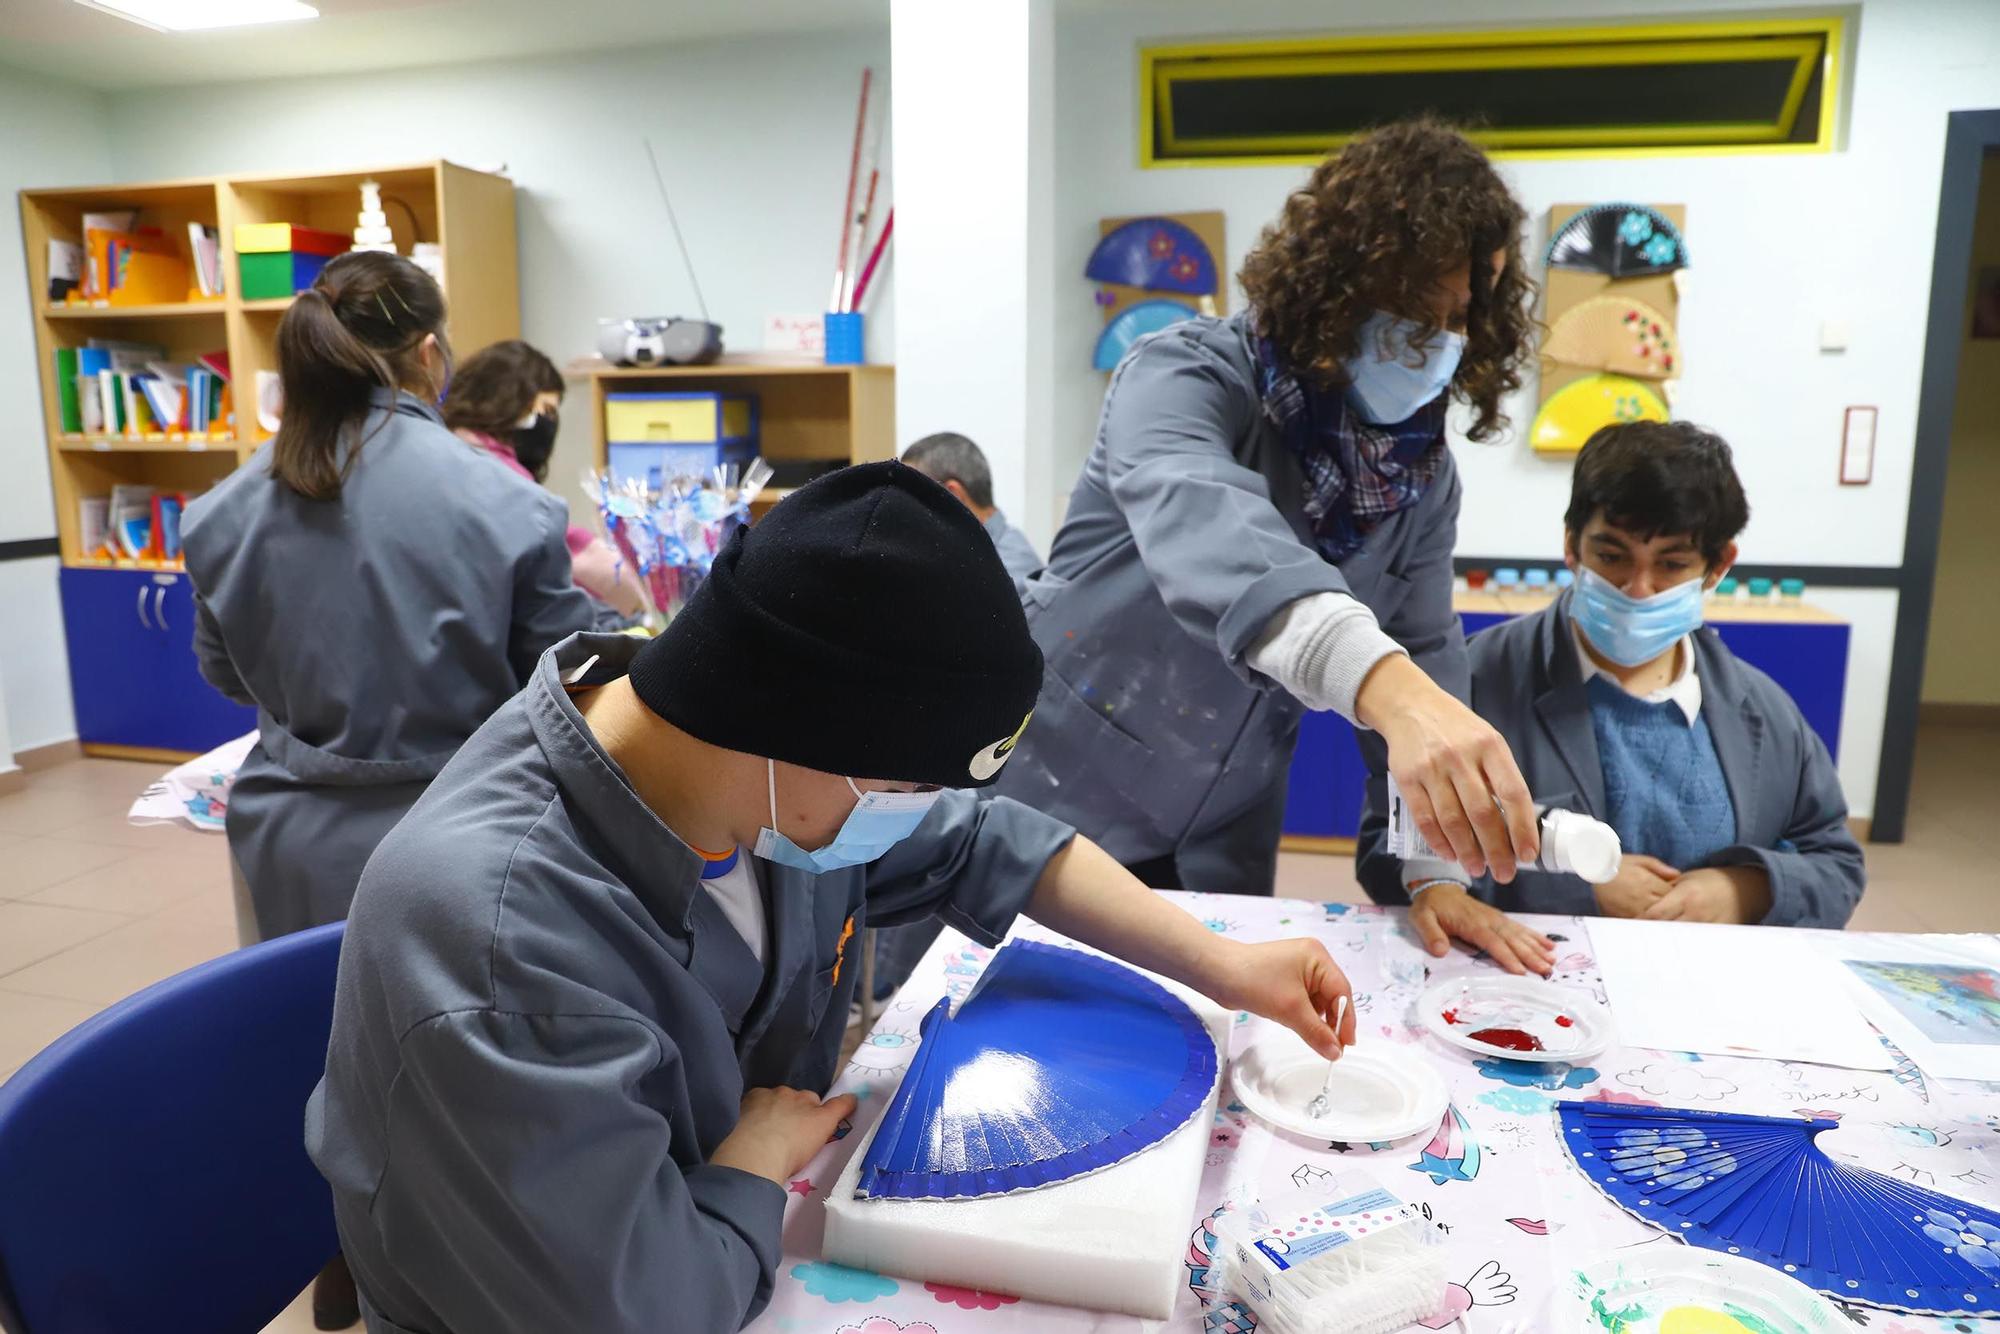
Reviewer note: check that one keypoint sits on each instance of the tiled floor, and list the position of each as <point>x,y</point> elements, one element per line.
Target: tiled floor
<point>92,909</point>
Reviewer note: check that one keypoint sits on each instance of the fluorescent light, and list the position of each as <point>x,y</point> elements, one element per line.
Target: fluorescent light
<point>192,15</point>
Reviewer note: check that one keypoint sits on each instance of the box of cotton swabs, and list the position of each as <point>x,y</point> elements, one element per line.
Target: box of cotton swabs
<point>1343,1256</point>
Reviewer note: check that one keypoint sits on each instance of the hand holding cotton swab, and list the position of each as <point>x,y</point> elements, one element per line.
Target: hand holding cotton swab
<point>1322,1102</point>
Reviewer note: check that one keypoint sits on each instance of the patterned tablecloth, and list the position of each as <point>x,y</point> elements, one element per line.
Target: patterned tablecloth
<point>1518,1217</point>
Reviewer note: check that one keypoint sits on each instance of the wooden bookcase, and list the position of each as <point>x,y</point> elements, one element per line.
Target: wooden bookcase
<point>806,410</point>
<point>470,214</point>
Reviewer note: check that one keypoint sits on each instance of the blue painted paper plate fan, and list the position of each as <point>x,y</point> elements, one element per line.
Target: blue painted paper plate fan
<point>1157,254</point>
<point>1058,1064</point>
<point>1134,322</point>
<point>1761,1187</point>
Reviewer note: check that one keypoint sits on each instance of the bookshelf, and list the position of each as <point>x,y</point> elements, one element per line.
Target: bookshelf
<point>807,411</point>
<point>470,214</point>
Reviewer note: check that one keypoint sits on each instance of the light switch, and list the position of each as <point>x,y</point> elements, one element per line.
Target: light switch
<point>1833,335</point>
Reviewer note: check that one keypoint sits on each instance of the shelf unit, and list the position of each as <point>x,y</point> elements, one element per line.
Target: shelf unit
<point>807,411</point>
<point>470,214</point>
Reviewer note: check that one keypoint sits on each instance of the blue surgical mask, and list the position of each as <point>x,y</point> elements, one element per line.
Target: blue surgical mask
<point>1630,630</point>
<point>878,822</point>
<point>1382,386</point>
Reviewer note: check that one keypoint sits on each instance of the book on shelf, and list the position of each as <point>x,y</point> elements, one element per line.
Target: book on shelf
<point>205,246</point>
<point>131,522</point>
<point>93,525</point>
<point>69,403</point>
<point>65,268</point>
<point>108,223</point>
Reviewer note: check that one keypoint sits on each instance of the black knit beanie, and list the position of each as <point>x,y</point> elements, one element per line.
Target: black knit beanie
<point>864,627</point>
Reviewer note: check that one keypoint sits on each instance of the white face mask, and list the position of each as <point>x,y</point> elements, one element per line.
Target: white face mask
<point>878,822</point>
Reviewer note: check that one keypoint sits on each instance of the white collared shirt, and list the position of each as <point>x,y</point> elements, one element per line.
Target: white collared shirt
<point>1684,689</point>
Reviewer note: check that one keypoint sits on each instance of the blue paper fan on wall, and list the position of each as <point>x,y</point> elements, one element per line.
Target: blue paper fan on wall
<point>1157,254</point>
<point>1131,324</point>
<point>1760,1187</point>
<point>1058,1064</point>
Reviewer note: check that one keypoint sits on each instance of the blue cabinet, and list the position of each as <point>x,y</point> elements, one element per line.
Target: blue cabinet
<point>132,669</point>
<point>1806,656</point>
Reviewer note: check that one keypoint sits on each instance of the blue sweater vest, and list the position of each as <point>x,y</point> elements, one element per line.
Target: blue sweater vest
<point>1662,780</point>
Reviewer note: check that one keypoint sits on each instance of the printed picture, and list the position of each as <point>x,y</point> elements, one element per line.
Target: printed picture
<point>1954,1003</point>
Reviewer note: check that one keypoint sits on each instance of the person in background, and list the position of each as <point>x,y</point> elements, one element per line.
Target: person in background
<point>1620,705</point>
<point>961,466</point>
<point>373,596</point>
<point>595,987</point>
<point>506,399</point>
<point>1265,525</point>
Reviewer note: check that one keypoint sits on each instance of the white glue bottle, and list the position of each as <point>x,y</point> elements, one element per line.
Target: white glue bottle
<point>1572,842</point>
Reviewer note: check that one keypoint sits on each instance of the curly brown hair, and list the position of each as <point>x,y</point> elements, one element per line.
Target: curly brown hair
<point>1376,227</point>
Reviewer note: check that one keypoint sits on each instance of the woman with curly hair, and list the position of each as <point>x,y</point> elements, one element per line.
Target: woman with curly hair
<point>1265,525</point>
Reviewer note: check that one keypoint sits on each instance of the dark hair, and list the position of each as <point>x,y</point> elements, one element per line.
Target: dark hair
<point>1659,478</point>
<point>1374,228</point>
<point>355,330</point>
<point>494,389</point>
<point>950,457</point>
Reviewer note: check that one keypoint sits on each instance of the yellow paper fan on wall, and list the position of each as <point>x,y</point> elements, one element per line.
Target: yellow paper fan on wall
<point>1574,412</point>
<point>1616,334</point>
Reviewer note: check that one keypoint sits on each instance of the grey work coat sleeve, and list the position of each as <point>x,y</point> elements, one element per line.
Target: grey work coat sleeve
<point>213,657</point>
<point>529,1187</point>
<point>1223,558</point>
<point>973,862</point>
<point>1426,624</point>
<point>548,606</point>
<point>1817,873</point>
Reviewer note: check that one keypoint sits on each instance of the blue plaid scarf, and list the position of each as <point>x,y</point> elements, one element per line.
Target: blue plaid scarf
<point>1357,474</point>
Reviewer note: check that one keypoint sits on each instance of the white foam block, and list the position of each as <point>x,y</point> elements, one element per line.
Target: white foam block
<point>1110,1241</point>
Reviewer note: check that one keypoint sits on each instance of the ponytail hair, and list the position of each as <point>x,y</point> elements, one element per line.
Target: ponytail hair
<point>359,328</point>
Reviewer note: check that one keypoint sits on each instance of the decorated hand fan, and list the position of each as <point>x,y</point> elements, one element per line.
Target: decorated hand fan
<point>1616,334</point>
<point>1058,1064</point>
<point>1133,323</point>
<point>1761,1187</point>
<point>1619,241</point>
<point>1575,411</point>
<point>1158,254</point>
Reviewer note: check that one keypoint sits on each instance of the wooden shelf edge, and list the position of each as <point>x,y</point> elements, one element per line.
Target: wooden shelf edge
<point>122,445</point>
<point>98,750</point>
<point>740,364</point>
<point>266,303</point>
<point>163,310</point>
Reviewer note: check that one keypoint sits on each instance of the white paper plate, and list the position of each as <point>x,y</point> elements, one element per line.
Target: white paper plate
<point>1381,1091</point>
<point>1668,1288</point>
<point>1570,1025</point>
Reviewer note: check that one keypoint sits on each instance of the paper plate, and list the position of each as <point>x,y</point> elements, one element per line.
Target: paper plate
<point>1670,1289</point>
<point>1381,1091</point>
<point>1520,1018</point>
<point>1575,412</point>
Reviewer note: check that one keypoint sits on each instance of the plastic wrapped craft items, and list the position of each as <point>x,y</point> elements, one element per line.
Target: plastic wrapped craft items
<point>671,533</point>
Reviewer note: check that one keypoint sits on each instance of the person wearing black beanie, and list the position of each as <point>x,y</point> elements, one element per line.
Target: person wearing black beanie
<point>594,986</point>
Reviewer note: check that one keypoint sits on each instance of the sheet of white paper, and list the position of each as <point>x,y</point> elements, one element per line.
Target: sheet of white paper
<point>1936,997</point>
<point>1731,991</point>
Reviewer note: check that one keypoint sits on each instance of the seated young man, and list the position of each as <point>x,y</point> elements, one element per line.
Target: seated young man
<point>594,985</point>
<point>1617,703</point>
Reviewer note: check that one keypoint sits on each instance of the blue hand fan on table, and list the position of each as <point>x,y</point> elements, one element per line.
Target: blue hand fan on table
<point>1157,254</point>
<point>1619,241</point>
<point>1131,324</point>
<point>1059,1064</point>
<point>1761,1187</point>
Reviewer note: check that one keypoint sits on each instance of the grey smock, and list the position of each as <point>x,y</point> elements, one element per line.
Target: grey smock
<point>373,633</point>
<point>543,1027</point>
<point>1186,534</point>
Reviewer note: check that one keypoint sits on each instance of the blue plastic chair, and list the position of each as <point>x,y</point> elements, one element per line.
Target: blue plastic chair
<point>153,1171</point>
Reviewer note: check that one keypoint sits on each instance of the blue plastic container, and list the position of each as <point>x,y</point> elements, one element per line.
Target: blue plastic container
<point>845,338</point>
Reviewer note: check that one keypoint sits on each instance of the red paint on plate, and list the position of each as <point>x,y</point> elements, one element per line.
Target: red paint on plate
<point>1512,1039</point>
<point>1564,1021</point>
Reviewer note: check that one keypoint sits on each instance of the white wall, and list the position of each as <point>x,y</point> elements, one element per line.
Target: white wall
<point>1778,243</point>
<point>753,136</point>
<point>54,134</point>
<point>974,227</point>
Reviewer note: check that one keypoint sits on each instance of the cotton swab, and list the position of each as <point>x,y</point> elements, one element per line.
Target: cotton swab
<point>1323,1102</point>
<point>847,209</point>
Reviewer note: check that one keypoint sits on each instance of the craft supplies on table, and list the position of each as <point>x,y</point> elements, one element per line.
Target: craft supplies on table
<point>1679,1290</point>
<point>1731,991</point>
<point>1376,1092</point>
<point>1936,997</point>
<point>1339,1255</point>
<point>1519,1220</point>
<point>1046,1141</point>
<point>1516,1018</point>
